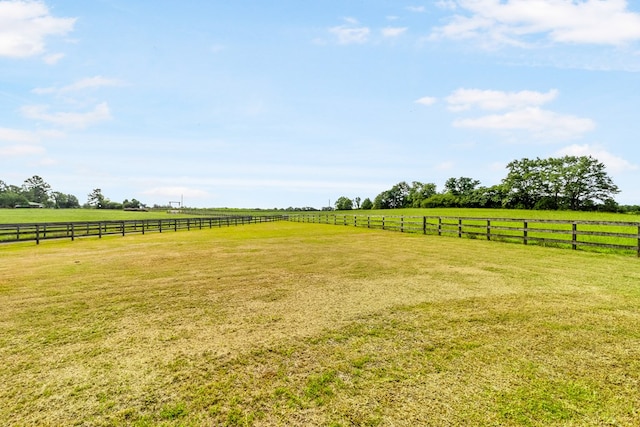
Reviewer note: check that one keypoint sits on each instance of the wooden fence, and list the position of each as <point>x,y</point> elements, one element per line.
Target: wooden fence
<point>72,230</point>
<point>602,235</point>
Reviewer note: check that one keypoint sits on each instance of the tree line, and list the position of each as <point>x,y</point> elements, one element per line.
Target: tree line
<point>558,183</point>
<point>36,192</point>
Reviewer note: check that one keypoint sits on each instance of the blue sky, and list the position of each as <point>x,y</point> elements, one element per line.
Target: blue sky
<point>289,103</point>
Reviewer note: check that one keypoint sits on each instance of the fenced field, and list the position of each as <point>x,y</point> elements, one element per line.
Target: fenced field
<point>287,323</point>
<point>20,232</point>
<point>622,236</point>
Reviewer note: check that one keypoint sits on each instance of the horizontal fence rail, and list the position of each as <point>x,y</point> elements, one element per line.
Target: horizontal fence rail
<point>609,235</point>
<point>72,230</point>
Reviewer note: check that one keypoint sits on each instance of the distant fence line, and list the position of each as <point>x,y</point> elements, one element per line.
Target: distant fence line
<point>612,235</point>
<point>71,230</point>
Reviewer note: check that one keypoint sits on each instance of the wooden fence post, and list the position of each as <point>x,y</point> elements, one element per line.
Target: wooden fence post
<point>488,229</point>
<point>424,225</point>
<point>99,230</point>
<point>402,223</point>
<point>383,222</point>
<point>73,232</point>
<point>439,226</point>
<point>123,226</point>
<point>574,236</point>
<point>37,234</point>
<point>459,227</point>
<point>525,238</point>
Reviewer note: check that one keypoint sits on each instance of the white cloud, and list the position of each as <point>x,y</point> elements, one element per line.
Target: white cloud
<point>514,22</point>
<point>541,123</point>
<point>613,163</point>
<point>73,120</point>
<point>393,31</point>
<point>351,32</point>
<point>24,25</point>
<point>464,99</point>
<point>53,58</point>
<point>426,100</point>
<point>416,9</point>
<point>87,83</point>
<point>21,150</point>
<point>16,135</point>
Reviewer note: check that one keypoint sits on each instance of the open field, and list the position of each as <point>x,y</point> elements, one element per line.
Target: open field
<point>306,324</point>
<point>15,216</point>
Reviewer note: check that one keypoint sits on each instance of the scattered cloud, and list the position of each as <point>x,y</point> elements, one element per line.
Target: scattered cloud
<point>53,58</point>
<point>87,83</point>
<point>16,135</point>
<point>613,162</point>
<point>24,26</point>
<point>416,9</point>
<point>464,99</point>
<point>21,150</point>
<point>351,32</point>
<point>523,113</point>
<point>540,123</point>
<point>516,22</point>
<point>72,120</point>
<point>393,31</point>
<point>426,100</point>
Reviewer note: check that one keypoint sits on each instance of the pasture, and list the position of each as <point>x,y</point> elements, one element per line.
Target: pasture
<point>306,324</point>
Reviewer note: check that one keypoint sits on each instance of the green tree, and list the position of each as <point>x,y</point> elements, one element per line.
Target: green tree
<point>367,204</point>
<point>96,199</point>
<point>357,201</point>
<point>585,181</point>
<point>418,192</point>
<point>37,190</point>
<point>344,204</point>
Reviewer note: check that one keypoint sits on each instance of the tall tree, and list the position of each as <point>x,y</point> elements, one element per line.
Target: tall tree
<point>96,198</point>
<point>37,190</point>
<point>418,192</point>
<point>344,203</point>
<point>585,181</point>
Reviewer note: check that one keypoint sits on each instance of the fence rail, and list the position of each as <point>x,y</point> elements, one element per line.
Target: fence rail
<point>611,235</point>
<point>72,230</point>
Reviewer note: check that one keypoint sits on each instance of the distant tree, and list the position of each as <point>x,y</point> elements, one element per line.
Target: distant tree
<point>567,182</point>
<point>343,204</point>
<point>367,204</point>
<point>419,192</point>
<point>462,186</point>
<point>37,190</point>
<point>3,186</point>
<point>96,199</point>
<point>9,199</point>
<point>64,201</point>
<point>357,200</point>
<point>394,198</point>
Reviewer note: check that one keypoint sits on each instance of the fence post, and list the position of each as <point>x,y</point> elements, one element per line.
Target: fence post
<point>459,227</point>
<point>424,225</point>
<point>574,235</point>
<point>488,229</point>
<point>123,225</point>
<point>638,241</point>
<point>175,225</point>
<point>18,234</point>
<point>525,238</point>
<point>37,234</point>
<point>402,223</point>
<point>73,232</point>
<point>439,226</point>
<point>100,230</point>
<point>383,222</point>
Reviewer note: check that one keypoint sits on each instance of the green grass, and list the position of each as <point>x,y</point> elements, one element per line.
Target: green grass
<point>306,324</point>
<point>14,216</point>
<point>501,213</point>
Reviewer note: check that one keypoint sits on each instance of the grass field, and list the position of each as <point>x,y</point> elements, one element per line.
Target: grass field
<point>15,216</point>
<point>305,324</point>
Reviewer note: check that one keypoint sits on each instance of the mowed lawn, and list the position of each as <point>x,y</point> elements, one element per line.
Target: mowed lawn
<point>307,324</point>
